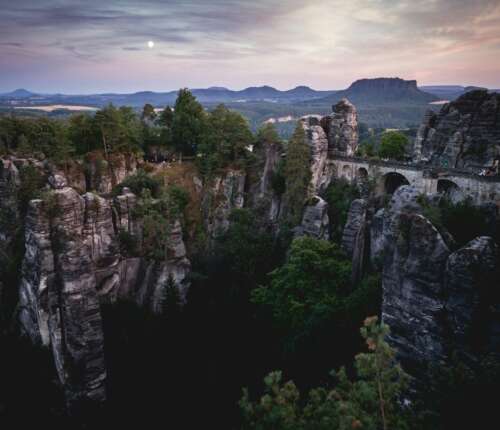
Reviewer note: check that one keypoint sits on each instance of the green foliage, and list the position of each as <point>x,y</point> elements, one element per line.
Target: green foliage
<point>31,185</point>
<point>393,145</point>
<point>339,196</point>
<point>83,133</point>
<point>371,401</point>
<point>463,220</point>
<point>118,129</point>
<point>226,140</point>
<point>166,117</point>
<point>178,198</point>
<point>148,112</point>
<point>308,287</point>
<point>297,175</point>
<point>51,206</point>
<point>138,182</point>
<point>189,124</point>
<point>128,243</point>
<point>156,226</point>
<point>246,251</point>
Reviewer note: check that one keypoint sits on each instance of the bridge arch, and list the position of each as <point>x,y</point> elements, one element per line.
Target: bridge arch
<point>347,171</point>
<point>392,181</point>
<point>449,188</point>
<point>362,174</point>
<point>445,186</point>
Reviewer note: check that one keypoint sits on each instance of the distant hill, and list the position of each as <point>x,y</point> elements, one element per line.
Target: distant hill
<point>20,93</point>
<point>381,91</point>
<point>204,95</point>
<point>451,92</point>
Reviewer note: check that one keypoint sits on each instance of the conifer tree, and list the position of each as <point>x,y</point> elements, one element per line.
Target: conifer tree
<point>297,175</point>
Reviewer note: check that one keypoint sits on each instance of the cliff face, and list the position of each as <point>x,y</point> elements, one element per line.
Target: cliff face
<point>464,134</point>
<point>437,302</point>
<point>72,264</point>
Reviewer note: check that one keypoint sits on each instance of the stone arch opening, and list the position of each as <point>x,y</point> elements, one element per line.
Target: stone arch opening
<point>449,189</point>
<point>445,186</point>
<point>362,174</point>
<point>394,180</point>
<point>346,171</point>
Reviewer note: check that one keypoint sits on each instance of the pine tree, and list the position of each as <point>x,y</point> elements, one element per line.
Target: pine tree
<point>189,123</point>
<point>371,402</point>
<point>297,175</point>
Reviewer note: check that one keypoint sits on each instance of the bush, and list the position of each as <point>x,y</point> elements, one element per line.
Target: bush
<point>339,196</point>
<point>393,145</point>
<point>372,401</point>
<point>128,243</point>
<point>178,199</point>
<point>138,182</point>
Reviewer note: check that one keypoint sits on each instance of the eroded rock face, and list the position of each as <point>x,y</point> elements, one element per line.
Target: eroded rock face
<point>72,264</point>
<point>263,198</point>
<point>356,220</point>
<point>471,280</point>
<point>315,221</point>
<point>465,133</point>
<point>430,291</point>
<point>317,139</point>
<point>343,128</point>
<point>224,194</point>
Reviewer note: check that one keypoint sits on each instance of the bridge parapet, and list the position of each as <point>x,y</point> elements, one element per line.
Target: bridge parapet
<point>424,177</point>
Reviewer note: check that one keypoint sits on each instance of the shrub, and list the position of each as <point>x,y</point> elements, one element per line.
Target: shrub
<point>393,145</point>
<point>138,182</point>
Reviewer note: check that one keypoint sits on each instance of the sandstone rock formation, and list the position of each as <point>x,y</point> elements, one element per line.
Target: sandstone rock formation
<point>315,221</point>
<point>343,128</point>
<point>428,290</point>
<point>263,198</point>
<point>223,194</point>
<point>317,140</point>
<point>72,264</point>
<point>464,134</point>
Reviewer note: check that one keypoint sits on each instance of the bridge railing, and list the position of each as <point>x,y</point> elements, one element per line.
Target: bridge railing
<point>429,171</point>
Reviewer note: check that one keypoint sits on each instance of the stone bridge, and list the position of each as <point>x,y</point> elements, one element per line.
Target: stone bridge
<point>389,175</point>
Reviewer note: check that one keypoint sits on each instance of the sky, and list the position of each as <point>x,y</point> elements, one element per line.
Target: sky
<point>89,46</point>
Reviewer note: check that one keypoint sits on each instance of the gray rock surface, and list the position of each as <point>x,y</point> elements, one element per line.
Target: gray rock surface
<point>432,297</point>
<point>315,221</point>
<point>465,133</point>
<point>356,220</point>
<point>343,128</point>
<point>72,264</point>
<point>317,140</point>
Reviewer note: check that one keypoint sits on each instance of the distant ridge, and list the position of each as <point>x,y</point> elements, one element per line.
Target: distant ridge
<point>204,95</point>
<point>381,91</point>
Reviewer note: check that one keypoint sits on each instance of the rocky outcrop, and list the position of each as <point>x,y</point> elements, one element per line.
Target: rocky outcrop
<point>471,281</point>
<point>72,264</point>
<point>433,299</point>
<point>464,134</point>
<point>343,128</point>
<point>356,220</point>
<point>321,167</point>
<point>223,194</point>
<point>315,221</point>
<point>263,197</point>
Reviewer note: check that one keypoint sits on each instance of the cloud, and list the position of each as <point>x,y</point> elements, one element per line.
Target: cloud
<point>324,43</point>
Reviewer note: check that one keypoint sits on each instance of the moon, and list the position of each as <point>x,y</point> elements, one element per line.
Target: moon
<point>151,44</point>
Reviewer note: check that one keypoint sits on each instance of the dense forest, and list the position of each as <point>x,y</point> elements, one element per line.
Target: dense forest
<point>264,307</point>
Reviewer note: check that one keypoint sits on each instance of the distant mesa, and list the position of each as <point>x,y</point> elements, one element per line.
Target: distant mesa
<point>380,91</point>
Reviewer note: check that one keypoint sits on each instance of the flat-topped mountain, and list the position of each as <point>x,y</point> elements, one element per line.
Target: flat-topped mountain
<point>382,91</point>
